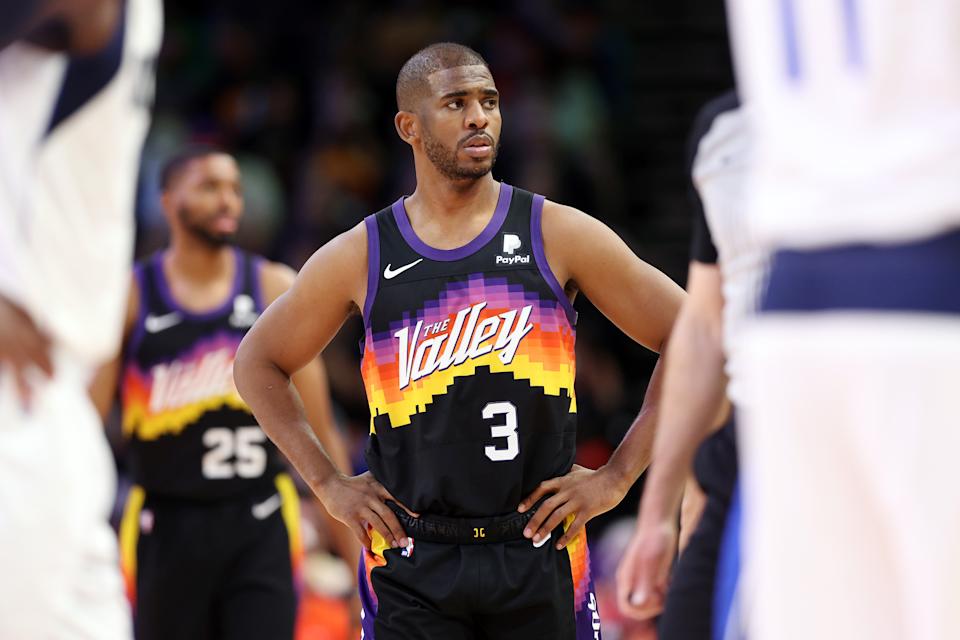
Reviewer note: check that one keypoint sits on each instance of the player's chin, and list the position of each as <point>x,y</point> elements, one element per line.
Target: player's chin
<point>220,239</point>
<point>476,168</point>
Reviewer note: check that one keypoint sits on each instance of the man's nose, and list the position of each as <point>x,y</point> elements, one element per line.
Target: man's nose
<point>475,117</point>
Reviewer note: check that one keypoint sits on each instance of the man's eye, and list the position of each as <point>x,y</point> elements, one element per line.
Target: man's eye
<point>456,104</point>
<point>491,104</point>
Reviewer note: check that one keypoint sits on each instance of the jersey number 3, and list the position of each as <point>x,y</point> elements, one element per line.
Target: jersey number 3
<point>506,430</point>
<point>244,445</point>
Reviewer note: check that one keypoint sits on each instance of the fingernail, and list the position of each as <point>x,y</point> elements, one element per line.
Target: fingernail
<point>536,538</point>
<point>559,546</point>
<point>636,599</point>
<point>527,533</point>
<point>521,508</point>
<point>404,542</point>
<point>394,544</point>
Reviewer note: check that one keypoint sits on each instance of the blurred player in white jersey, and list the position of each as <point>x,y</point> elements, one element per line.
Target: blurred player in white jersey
<point>76,86</point>
<point>850,427</point>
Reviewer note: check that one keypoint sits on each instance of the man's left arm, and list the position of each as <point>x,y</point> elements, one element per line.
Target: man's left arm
<point>311,381</point>
<point>312,384</point>
<point>586,255</point>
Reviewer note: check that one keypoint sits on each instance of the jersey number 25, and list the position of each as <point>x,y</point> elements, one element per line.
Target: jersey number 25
<point>234,453</point>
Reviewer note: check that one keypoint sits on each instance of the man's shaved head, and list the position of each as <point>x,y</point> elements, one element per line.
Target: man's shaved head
<point>412,82</point>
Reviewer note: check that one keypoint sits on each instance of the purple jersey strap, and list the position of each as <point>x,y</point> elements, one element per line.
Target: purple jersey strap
<point>373,264</point>
<point>536,235</point>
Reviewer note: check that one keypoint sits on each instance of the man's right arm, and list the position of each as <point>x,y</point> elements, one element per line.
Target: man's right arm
<point>290,333</point>
<point>693,398</point>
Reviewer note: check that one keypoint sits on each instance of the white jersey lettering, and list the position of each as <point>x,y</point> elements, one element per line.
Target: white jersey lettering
<point>467,340</point>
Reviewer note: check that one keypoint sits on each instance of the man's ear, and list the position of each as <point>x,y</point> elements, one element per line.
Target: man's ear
<point>407,126</point>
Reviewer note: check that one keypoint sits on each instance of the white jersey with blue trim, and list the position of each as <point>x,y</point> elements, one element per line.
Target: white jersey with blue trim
<point>72,131</point>
<point>857,112</point>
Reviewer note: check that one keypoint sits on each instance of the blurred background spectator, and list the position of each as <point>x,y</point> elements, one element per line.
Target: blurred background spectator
<point>597,98</point>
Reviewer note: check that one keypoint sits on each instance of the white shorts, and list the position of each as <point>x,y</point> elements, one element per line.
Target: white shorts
<point>850,440</point>
<point>59,569</point>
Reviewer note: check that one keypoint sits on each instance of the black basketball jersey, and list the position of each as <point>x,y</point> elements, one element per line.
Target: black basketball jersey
<point>468,363</point>
<point>191,435</point>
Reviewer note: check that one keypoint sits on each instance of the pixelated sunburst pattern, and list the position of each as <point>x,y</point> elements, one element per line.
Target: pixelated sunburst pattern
<point>139,386</point>
<point>579,565</point>
<point>545,357</point>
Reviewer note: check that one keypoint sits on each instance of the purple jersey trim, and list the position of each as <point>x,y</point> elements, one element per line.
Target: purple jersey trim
<point>139,329</point>
<point>449,255</point>
<point>256,287</point>
<point>536,236</point>
<point>368,600</point>
<point>373,264</point>
<point>164,289</point>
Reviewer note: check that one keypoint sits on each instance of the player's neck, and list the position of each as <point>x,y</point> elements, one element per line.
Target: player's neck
<point>437,196</point>
<point>200,262</point>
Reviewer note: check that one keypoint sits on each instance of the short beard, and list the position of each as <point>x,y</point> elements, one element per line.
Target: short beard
<point>445,161</point>
<point>212,240</point>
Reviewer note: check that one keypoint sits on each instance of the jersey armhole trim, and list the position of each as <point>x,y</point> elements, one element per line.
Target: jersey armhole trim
<point>540,256</point>
<point>256,285</point>
<point>143,304</point>
<point>373,264</point>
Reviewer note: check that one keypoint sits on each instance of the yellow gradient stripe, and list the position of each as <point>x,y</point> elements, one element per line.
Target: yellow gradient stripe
<point>148,426</point>
<point>290,511</point>
<point>378,544</point>
<point>421,393</point>
<point>129,536</point>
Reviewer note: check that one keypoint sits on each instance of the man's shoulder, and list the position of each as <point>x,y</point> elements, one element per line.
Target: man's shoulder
<point>275,278</point>
<point>563,219</point>
<point>341,256</point>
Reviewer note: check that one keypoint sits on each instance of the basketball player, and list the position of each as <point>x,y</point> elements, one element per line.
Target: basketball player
<point>723,287</point>
<point>75,96</point>
<point>473,509</point>
<point>210,539</point>
<point>849,431</point>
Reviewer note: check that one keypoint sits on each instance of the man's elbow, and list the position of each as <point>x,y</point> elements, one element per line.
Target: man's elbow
<point>243,363</point>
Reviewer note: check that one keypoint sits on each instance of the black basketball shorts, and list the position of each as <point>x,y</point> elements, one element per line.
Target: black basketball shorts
<point>221,570</point>
<point>493,590</point>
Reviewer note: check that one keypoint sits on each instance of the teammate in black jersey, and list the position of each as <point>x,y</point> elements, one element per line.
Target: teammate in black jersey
<point>465,289</point>
<point>209,541</point>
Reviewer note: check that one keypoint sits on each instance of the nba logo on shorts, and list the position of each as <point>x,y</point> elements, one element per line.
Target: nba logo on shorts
<point>511,243</point>
<point>146,521</point>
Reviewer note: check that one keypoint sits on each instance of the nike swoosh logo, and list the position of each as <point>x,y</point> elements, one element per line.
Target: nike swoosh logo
<point>156,324</point>
<point>389,273</point>
<point>262,510</point>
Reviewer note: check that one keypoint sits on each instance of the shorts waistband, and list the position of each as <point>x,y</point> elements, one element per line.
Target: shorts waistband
<point>920,276</point>
<point>491,530</point>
